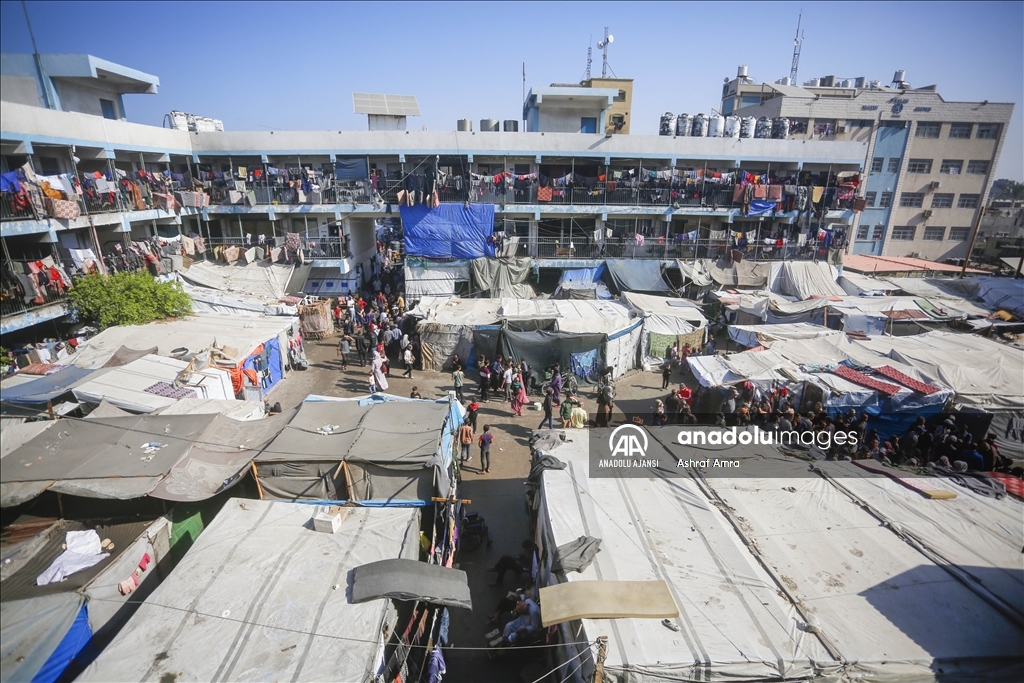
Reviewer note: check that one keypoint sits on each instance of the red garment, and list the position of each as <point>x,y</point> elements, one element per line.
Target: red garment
<point>907,381</point>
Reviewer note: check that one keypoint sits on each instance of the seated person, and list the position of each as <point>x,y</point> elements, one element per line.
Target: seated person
<point>520,564</point>
<point>526,625</point>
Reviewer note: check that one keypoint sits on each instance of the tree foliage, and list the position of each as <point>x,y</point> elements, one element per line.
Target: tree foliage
<point>128,299</point>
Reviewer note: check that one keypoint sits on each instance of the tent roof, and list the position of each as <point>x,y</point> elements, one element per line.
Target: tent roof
<point>803,279</point>
<point>46,388</point>
<point>261,281</point>
<point>393,434</point>
<point>196,333</point>
<point>32,629</point>
<point>450,310</point>
<point>571,315</point>
<point>861,582</point>
<point>260,594</point>
<point>764,335</point>
<point>666,306</point>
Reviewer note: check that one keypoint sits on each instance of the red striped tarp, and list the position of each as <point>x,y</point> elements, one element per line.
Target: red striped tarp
<point>860,378</point>
<point>907,381</point>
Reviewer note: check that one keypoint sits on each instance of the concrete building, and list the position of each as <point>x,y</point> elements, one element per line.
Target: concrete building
<point>628,196</point>
<point>928,163</point>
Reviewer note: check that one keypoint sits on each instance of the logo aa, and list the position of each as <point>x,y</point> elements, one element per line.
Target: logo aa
<point>628,441</point>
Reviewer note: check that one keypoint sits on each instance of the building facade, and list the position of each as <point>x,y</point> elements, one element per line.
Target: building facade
<point>929,163</point>
<point>560,197</point>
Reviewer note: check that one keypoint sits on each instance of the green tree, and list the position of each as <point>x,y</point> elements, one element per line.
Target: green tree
<point>1013,190</point>
<point>128,299</point>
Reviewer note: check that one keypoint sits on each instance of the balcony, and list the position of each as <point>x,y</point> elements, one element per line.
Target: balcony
<point>10,211</point>
<point>13,304</point>
<point>652,248</point>
<point>312,247</point>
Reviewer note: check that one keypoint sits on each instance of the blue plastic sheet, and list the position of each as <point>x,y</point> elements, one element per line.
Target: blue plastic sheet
<point>759,207</point>
<point>448,230</point>
<point>273,351</point>
<point>581,276</point>
<point>351,168</point>
<point>45,388</point>
<point>74,641</point>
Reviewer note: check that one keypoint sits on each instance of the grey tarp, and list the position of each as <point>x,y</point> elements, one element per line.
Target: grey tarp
<point>411,580</point>
<point>439,343</point>
<point>32,629</point>
<point>542,349</point>
<point>637,276</point>
<point>389,450</point>
<point>737,273</point>
<point>261,596</point>
<point>696,273</point>
<point>46,388</point>
<point>503,278</point>
<point>107,409</point>
<point>575,556</point>
<point>125,355</point>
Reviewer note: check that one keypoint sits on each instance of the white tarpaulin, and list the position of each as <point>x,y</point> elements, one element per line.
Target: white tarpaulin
<point>637,275</point>
<point>451,310</point>
<point>125,386</point>
<point>803,279</point>
<point>582,315</point>
<point>261,596</point>
<point>265,282</point>
<point>434,279</point>
<point>764,335</point>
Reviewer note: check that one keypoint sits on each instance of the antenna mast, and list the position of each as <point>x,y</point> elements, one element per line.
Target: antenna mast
<point>590,61</point>
<point>603,45</point>
<point>798,41</point>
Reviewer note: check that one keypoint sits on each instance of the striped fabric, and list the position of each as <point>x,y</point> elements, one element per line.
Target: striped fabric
<point>907,381</point>
<point>865,381</point>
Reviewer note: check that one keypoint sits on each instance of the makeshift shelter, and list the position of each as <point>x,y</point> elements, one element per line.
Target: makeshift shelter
<point>244,289</point>
<point>154,382</point>
<point>36,393</point>
<point>449,231</point>
<point>667,321</point>
<point>765,335</point>
<point>300,624</point>
<point>503,278</point>
<point>803,279</point>
<point>45,627</point>
<point>433,278</point>
<point>447,326</point>
<point>317,321</point>
<point>807,596</point>
<point>637,275</point>
<point>582,283</point>
<point>736,273</point>
<point>377,448</point>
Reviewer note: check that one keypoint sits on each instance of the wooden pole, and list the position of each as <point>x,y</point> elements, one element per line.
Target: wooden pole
<point>348,481</point>
<point>602,653</point>
<point>259,487</point>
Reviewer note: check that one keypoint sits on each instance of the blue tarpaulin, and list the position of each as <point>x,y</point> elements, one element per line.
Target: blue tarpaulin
<point>74,641</point>
<point>758,207</point>
<point>351,168</point>
<point>270,360</point>
<point>581,276</point>
<point>46,388</point>
<point>448,230</point>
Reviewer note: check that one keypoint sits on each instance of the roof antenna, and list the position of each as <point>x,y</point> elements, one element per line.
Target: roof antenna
<point>798,42</point>
<point>586,76</point>
<point>603,45</point>
<point>37,58</point>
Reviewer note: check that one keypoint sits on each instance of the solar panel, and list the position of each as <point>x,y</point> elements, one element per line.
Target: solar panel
<point>394,105</point>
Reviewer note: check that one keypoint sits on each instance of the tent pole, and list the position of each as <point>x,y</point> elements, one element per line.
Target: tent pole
<point>602,653</point>
<point>259,487</point>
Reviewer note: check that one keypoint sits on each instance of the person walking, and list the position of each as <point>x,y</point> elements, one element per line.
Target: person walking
<point>485,384</point>
<point>666,374</point>
<point>486,440</point>
<point>408,359</point>
<point>466,438</point>
<point>519,397</point>
<point>361,346</point>
<point>605,397</point>
<point>472,410</point>
<point>458,379</point>
<point>344,348</point>
<point>549,409</point>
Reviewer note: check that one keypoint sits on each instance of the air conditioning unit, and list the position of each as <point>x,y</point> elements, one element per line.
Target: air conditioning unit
<point>927,213</point>
<point>840,130</point>
<point>915,254</point>
<point>936,184</point>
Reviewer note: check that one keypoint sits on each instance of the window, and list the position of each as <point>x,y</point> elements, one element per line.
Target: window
<point>987,131</point>
<point>108,109</point>
<point>960,131</point>
<point>876,164</point>
<point>942,200</point>
<point>858,123</point>
<point>49,166</point>
<point>934,234</point>
<point>928,129</point>
<point>869,198</point>
<point>967,201</point>
<point>894,165</point>
<point>878,232</point>
<point>904,233</point>
<point>588,124</point>
<point>911,200</point>
<point>886,200</point>
<point>951,166</point>
<point>824,127</point>
<point>798,126</point>
<point>919,166</point>
<point>862,232</point>
<point>977,167</point>
<point>958,234</point>
<point>620,97</point>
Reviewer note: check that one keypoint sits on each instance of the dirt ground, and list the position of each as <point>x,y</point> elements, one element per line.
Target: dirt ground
<point>499,496</point>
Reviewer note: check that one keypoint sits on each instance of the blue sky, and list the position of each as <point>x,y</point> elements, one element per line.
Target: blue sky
<point>294,65</point>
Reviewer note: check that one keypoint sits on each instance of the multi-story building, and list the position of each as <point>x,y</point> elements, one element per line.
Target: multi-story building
<point>929,163</point>
<point>560,197</point>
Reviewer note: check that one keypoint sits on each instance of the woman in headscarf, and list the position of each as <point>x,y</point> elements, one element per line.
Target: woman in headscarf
<point>519,397</point>
<point>379,376</point>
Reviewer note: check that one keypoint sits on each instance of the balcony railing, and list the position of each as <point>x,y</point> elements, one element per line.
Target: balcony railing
<point>12,305</point>
<point>9,211</point>
<point>654,248</point>
<point>312,247</point>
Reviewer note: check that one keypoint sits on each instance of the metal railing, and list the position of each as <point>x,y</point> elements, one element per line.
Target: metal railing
<point>655,248</point>
<point>313,247</point>
<point>12,305</point>
<point>9,211</point>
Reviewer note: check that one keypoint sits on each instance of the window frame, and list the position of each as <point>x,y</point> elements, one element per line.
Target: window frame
<point>922,166</point>
<point>972,162</point>
<point>953,231</point>
<point>947,166</point>
<point>112,106</point>
<point>927,126</point>
<point>931,229</point>
<point>899,233</point>
<point>878,233</point>
<point>894,165</point>
<point>968,198</point>
<point>876,164</point>
<point>991,131</point>
<point>870,198</point>
<point>911,200</point>
<point>944,195</point>
<point>885,200</point>
<point>957,130</point>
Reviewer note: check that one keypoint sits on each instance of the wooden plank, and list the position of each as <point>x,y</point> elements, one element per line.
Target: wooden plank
<point>606,600</point>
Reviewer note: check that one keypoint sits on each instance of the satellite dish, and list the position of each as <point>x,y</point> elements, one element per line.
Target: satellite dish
<point>600,45</point>
<point>611,39</point>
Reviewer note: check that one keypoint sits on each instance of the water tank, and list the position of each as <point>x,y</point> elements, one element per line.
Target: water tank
<point>668,124</point>
<point>464,125</point>
<point>747,126</point>
<point>511,126</point>
<point>860,82</point>
<point>699,126</point>
<point>900,76</point>
<point>741,72</point>
<point>828,82</point>
<point>763,129</point>
<point>813,83</point>
<point>683,125</point>
<point>489,125</point>
<point>780,128</point>
<point>785,81</point>
<point>874,85</point>
<point>846,83</point>
<point>732,126</point>
<point>716,124</point>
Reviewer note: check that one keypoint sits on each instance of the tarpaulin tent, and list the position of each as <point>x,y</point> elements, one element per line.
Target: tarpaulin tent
<point>298,626</point>
<point>358,450</point>
<point>46,388</point>
<point>40,636</point>
<point>776,560</point>
<point>736,273</point>
<point>404,579</point>
<point>667,321</point>
<point>503,278</point>
<point>582,353</point>
<point>447,326</point>
<point>637,275</point>
<point>803,279</point>
<point>696,272</point>
<point>448,230</point>
<point>582,283</point>
<point>428,278</point>
<point>263,282</point>
<point>765,335</point>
